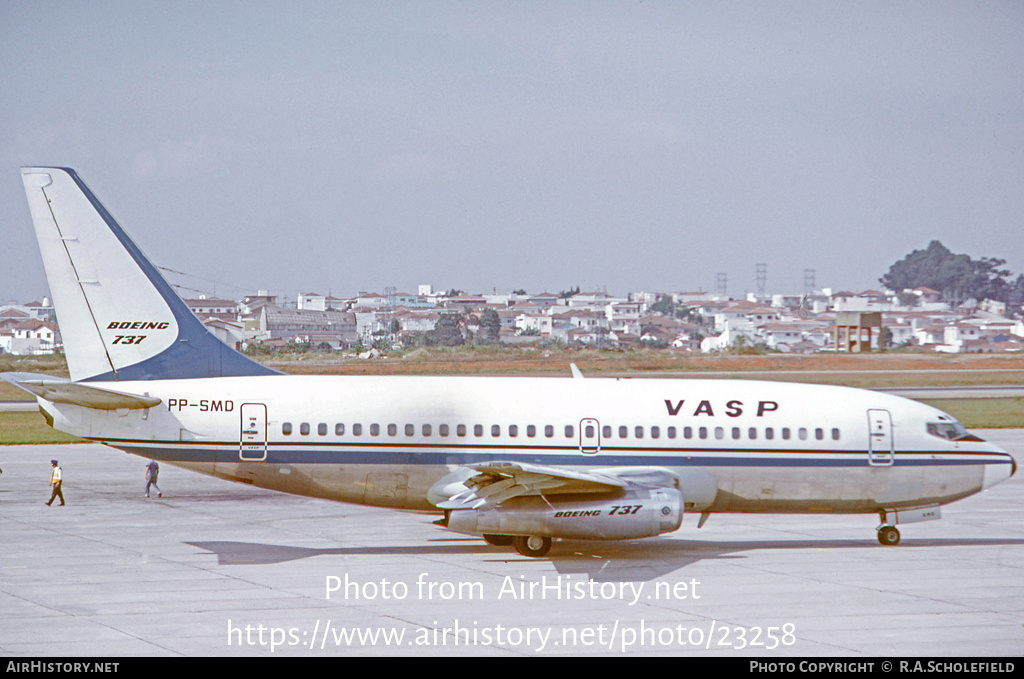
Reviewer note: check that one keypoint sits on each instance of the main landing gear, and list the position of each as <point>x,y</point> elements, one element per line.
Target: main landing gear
<point>888,535</point>
<point>527,545</point>
<point>531,545</point>
<point>499,540</point>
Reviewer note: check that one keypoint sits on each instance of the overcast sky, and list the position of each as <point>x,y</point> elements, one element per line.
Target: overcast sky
<point>339,147</point>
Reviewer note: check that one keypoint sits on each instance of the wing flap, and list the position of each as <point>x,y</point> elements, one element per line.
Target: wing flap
<point>495,482</point>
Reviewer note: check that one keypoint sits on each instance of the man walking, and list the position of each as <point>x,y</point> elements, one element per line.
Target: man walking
<point>152,471</point>
<point>56,478</point>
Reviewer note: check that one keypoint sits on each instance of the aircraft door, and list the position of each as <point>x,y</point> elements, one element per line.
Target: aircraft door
<point>880,440</point>
<point>254,433</point>
<point>590,436</point>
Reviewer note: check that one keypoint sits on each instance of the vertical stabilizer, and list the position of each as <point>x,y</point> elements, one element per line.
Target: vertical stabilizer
<point>119,319</point>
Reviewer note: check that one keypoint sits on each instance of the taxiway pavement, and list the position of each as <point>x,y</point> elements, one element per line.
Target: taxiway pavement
<point>220,569</point>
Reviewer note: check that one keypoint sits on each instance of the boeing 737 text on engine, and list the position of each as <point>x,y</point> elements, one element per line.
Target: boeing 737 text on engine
<point>519,461</point>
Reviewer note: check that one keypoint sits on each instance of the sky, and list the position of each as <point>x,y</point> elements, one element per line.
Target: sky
<point>340,147</point>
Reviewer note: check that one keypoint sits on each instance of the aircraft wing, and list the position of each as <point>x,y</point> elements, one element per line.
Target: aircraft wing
<point>491,483</point>
<point>60,390</point>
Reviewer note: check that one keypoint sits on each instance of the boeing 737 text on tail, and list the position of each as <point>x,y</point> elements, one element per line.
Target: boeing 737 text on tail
<point>519,461</point>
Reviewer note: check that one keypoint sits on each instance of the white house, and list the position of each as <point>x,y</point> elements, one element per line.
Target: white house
<point>745,316</point>
<point>30,337</point>
<point>540,323</point>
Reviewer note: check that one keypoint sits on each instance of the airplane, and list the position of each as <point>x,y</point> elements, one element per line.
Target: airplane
<point>519,461</point>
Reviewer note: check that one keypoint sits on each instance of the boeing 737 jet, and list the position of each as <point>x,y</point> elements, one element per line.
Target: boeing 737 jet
<point>519,461</point>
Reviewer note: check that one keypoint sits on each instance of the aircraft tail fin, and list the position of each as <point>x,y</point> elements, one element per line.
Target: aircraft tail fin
<point>119,319</point>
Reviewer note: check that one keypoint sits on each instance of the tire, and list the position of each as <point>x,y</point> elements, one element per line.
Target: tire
<point>532,545</point>
<point>498,540</point>
<point>889,536</point>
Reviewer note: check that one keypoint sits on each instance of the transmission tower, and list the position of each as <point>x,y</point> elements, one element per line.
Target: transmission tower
<point>390,293</point>
<point>723,284</point>
<point>762,279</point>
<point>809,284</point>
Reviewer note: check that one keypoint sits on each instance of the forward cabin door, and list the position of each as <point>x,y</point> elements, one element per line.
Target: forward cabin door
<point>881,450</point>
<point>254,433</point>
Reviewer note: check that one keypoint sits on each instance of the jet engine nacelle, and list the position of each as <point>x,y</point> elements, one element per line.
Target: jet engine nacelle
<point>633,514</point>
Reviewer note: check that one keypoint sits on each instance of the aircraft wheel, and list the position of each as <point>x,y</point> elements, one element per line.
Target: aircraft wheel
<point>889,535</point>
<point>531,545</point>
<point>498,540</point>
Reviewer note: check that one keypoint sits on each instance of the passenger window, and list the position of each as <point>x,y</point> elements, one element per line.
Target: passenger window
<point>752,433</point>
<point>802,433</point>
<point>443,430</point>
<point>769,433</point>
<point>513,430</point>
<point>835,434</point>
<point>785,433</point>
<point>589,431</point>
<point>478,430</point>
<point>703,432</point>
<point>531,430</point>
<point>392,430</point>
<point>671,431</point>
<point>549,430</point>
<point>460,430</point>
<point>357,430</point>
<point>735,432</point>
<point>638,432</point>
<point>427,430</point>
<point>374,430</point>
<point>569,431</point>
<point>495,430</point>
<point>410,430</point>
<point>339,430</point>
<point>304,428</point>
<point>286,428</point>
<point>719,433</point>
<point>623,432</point>
<point>819,434</point>
<point>687,432</point>
<point>655,432</point>
<point>321,429</point>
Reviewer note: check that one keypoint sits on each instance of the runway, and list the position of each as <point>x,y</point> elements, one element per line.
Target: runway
<point>215,568</point>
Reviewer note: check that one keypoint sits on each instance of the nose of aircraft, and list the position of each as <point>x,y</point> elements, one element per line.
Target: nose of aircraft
<point>1000,471</point>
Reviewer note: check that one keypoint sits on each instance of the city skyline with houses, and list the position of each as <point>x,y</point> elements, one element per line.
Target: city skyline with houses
<point>693,322</point>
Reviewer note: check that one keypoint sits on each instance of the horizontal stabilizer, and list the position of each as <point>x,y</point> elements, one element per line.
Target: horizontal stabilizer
<point>58,390</point>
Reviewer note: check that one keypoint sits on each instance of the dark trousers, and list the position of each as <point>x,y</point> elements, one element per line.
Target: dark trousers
<point>56,493</point>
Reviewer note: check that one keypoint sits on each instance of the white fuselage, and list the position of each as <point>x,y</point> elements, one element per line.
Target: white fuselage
<point>736,445</point>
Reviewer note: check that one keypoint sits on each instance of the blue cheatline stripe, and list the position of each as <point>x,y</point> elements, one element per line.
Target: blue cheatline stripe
<point>229,452</point>
<point>196,352</point>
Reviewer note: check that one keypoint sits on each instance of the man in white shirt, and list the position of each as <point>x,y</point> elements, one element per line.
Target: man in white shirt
<point>56,478</point>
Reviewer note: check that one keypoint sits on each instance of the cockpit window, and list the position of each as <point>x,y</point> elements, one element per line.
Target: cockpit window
<point>951,431</point>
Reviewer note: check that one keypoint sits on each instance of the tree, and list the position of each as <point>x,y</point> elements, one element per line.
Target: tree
<point>957,277</point>
<point>566,294</point>
<point>908,299</point>
<point>490,327</point>
<point>664,306</point>
<point>447,332</point>
<point>885,337</point>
